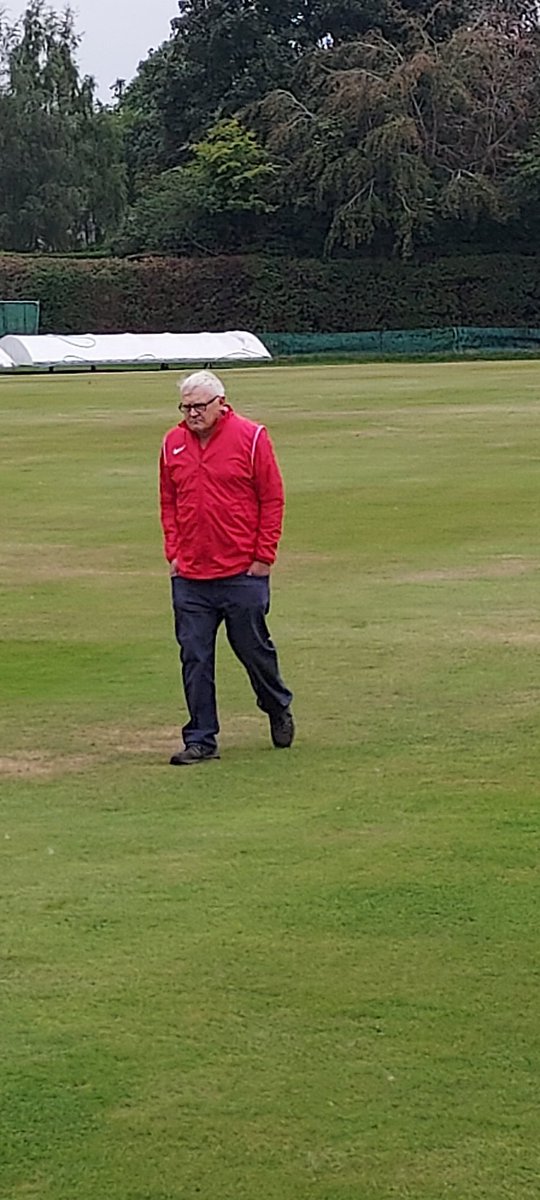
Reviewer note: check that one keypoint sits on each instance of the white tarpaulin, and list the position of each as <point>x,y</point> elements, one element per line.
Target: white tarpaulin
<point>80,350</point>
<point>5,361</point>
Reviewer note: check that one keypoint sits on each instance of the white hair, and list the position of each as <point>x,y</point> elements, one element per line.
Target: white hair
<point>205,380</point>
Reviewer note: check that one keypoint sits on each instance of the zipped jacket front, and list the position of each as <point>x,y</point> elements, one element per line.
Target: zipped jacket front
<point>222,504</point>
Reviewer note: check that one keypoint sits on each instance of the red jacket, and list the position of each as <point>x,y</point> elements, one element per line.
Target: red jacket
<point>221,504</point>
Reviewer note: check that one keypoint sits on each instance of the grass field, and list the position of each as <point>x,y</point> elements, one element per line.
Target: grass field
<point>307,975</point>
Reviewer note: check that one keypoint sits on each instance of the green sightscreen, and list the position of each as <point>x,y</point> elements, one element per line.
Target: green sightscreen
<point>19,317</point>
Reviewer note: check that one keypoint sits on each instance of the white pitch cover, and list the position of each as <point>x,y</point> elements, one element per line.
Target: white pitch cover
<point>6,363</point>
<point>72,350</point>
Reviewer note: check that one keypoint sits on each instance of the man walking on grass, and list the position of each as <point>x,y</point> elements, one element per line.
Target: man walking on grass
<point>222,514</point>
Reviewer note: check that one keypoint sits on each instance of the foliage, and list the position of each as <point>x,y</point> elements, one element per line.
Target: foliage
<point>275,294</point>
<point>225,54</point>
<point>166,217</point>
<point>210,202</point>
<point>351,128</point>
<point>62,174</point>
<point>388,143</point>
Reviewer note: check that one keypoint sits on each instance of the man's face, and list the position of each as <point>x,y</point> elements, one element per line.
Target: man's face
<point>201,410</point>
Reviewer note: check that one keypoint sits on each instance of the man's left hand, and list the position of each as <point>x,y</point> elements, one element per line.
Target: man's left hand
<point>259,569</point>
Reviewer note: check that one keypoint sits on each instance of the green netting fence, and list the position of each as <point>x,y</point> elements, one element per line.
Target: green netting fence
<point>19,317</point>
<point>408,342</point>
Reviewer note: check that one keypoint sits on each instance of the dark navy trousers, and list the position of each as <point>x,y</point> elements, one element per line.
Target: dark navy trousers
<point>200,606</point>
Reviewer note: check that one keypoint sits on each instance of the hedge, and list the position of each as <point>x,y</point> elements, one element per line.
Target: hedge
<point>261,294</point>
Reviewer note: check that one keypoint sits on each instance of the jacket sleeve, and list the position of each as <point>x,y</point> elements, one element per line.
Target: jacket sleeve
<point>168,506</point>
<point>270,493</point>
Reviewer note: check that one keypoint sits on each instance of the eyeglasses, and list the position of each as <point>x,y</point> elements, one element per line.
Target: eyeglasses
<point>198,408</point>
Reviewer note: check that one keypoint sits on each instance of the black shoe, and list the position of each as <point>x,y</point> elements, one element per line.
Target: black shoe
<point>193,754</point>
<point>282,728</point>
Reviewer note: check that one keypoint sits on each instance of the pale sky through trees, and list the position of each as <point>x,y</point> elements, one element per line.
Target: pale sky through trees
<point>117,34</point>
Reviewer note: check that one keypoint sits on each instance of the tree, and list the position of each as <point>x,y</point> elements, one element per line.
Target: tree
<point>347,20</point>
<point>391,141</point>
<point>62,176</point>
<point>223,54</point>
<point>226,54</point>
<point>213,202</point>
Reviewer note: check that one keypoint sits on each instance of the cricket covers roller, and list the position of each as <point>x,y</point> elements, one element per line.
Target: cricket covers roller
<point>6,362</point>
<point>73,350</point>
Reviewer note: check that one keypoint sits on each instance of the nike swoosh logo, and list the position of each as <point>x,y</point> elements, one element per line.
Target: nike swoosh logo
<point>179,450</point>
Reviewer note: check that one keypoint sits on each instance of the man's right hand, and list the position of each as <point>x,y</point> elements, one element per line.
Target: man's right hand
<point>173,568</point>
